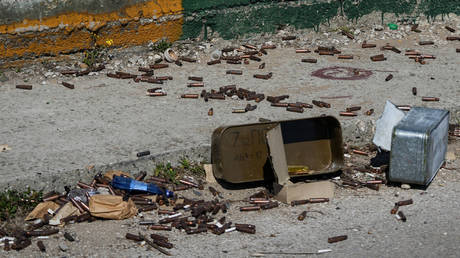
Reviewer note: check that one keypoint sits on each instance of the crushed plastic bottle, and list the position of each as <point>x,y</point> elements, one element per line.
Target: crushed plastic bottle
<point>129,184</point>
<point>392,26</point>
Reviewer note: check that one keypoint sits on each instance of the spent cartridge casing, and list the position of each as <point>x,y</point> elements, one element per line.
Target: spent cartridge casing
<point>134,237</point>
<point>250,208</point>
<point>302,215</point>
<point>430,99</point>
<point>294,109</point>
<point>159,66</point>
<point>337,239</point>
<point>195,78</point>
<point>68,85</point>
<point>309,60</point>
<point>402,217</point>
<point>24,87</point>
<point>348,114</point>
<point>450,29</point>
<point>234,72</point>
<point>405,202</point>
<point>161,227</point>
<point>214,62</point>
<point>189,96</point>
<point>395,209</point>
<point>246,230</point>
<point>269,205</point>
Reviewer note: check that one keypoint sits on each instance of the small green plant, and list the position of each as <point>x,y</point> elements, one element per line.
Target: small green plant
<point>166,171</point>
<point>92,57</point>
<point>197,169</point>
<point>346,29</point>
<point>185,163</point>
<point>193,167</point>
<point>161,46</point>
<point>13,202</point>
<point>185,167</point>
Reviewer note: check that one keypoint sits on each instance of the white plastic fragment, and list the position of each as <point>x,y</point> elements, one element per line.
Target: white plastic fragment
<point>54,222</point>
<point>170,55</point>
<point>385,124</point>
<point>230,229</point>
<point>174,215</point>
<point>7,238</point>
<point>322,251</point>
<point>216,54</point>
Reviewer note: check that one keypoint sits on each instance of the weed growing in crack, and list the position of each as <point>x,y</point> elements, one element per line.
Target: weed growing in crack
<point>13,202</point>
<point>161,46</point>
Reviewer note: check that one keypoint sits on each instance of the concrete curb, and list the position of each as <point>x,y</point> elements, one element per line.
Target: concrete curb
<point>356,132</point>
<point>57,180</point>
<point>38,27</point>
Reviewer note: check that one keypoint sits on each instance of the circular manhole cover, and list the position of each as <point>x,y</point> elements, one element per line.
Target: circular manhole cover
<point>342,73</point>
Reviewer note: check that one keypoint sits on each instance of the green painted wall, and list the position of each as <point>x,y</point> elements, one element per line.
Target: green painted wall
<point>434,8</point>
<point>235,18</point>
<point>354,11</point>
<point>267,18</point>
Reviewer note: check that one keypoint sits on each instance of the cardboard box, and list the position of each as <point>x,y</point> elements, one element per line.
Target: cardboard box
<point>285,190</point>
<point>277,151</point>
<point>312,146</point>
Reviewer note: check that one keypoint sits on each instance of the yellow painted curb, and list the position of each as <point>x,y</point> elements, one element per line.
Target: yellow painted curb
<point>75,31</point>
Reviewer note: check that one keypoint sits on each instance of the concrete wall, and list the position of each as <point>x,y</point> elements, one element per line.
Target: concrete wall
<point>36,27</point>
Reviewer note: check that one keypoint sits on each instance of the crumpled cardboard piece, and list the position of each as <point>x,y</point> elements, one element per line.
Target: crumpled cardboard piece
<point>41,210</point>
<point>67,210</point>
<point>285,190</point>
<point>111,207</point>
<point>110,174</point>
<point>209,175</point>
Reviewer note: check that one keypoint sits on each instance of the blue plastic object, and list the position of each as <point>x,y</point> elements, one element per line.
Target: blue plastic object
<point>129,184</point>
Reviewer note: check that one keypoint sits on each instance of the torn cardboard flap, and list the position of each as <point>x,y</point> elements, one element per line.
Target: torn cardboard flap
<point>302,191</point>
<point>209,175</point>
<point>67,210</point>
<point>277,154</point>
<point>41,210</point>
<point>285,190</point>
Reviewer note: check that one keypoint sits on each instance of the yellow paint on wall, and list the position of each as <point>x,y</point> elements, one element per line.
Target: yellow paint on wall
<point>71,20</point>
<point>136,34</point>
<point>73,37</point>
<point>46,42</point>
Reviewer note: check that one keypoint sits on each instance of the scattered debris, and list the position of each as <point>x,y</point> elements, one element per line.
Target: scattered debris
<point>68,85</point>
<point>337,239</point>
<point>4,147</point>
<point>143,153</point>
<point>24,87</point>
